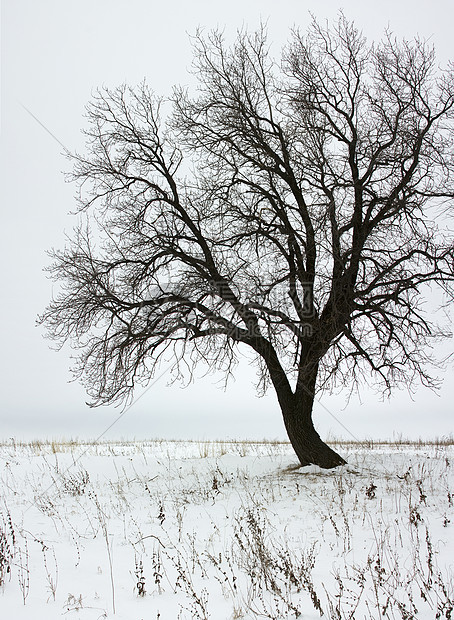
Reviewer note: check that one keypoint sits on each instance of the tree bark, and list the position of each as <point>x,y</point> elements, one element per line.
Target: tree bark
<point>297,410</point>
<point>297,414</point>
<point>309,447</point>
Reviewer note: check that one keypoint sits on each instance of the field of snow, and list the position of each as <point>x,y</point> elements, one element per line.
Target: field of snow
<point>224,530</point>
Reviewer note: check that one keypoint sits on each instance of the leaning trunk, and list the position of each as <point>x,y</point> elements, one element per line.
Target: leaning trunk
<point>305,440</point>
<point>297,414</point>
<point>297,410</point>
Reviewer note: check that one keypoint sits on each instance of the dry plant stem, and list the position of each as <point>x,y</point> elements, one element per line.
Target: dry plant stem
<point>102,521</point>
<point>7,545</point>
<point>24,572</point>
<point>52,577</point>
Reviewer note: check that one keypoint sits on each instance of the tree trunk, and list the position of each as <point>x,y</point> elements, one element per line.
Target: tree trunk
<point>297,414</point>
<point>305,440</point>
<point>297,410</point>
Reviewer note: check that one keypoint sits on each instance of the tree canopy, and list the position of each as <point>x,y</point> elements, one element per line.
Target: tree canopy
<point>298,210</point>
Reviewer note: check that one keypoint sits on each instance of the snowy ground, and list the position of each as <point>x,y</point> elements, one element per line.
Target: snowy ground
<point>224,530</point>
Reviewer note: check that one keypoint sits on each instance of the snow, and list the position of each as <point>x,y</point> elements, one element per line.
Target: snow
<point>224,530</point>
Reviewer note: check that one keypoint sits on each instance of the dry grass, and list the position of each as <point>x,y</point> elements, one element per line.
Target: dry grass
<point>226,529</point>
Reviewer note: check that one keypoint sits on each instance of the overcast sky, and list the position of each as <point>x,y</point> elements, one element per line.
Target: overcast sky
<point>54,54</point>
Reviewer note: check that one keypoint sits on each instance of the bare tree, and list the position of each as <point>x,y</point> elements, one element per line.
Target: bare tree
<point>296,210</point>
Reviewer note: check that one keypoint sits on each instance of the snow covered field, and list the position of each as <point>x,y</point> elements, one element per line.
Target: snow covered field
<point>224,530</point>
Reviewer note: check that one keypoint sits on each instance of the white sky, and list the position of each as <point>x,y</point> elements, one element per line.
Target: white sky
<point>54,53</point>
